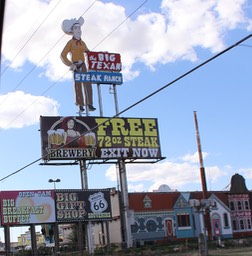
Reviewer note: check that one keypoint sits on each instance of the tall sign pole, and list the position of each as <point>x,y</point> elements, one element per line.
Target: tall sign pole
<point>126,232</point>
<point>112,62</point>
<point>127,241</point>
<point>88,230</point>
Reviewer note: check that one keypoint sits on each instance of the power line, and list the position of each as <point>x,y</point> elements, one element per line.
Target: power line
<point>23,79</point>
<point>34,67</point>
<point>36,30</point>
<point>29,39</point>
<point>121,23</point>
<point>246,45</point>
<point>37,99</point>
<point>88,8</point>
<point>142,100</point>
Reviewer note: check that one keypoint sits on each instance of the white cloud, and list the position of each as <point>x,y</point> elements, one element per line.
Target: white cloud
<point>29,107</point>
<point>233,15</point>
<point>247,172</point>
<point>32,33</point>
<point>150,38</point>
<point>174,173</point>
<point>136,188</point>
<point>194,158</point>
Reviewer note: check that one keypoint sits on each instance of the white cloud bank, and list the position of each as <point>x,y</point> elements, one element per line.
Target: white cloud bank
<point>176,173</point>
<point>30,108</point>
<point>32,33</point>
<point>148,37</point>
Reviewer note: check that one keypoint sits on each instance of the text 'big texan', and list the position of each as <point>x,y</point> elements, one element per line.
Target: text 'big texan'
<point>99,138</point>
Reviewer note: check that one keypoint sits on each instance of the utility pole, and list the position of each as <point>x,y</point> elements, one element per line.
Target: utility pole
<point>205,209</point>
<point>202,169</point>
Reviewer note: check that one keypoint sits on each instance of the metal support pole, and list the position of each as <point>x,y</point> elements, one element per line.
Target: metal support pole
<point>56,237</point>
<point>80,237</point>
<point>90,238</point>
<point>83,169</point>
<point>103,242</point>
<point>88,230</point>
<point>126,233</point>
<point>107,234</point>
<point>33,240</point>
<point>205,234</point>
<point>7,239</point>
<point>85,98</point>
<point>115,99</point>
<point>100,99</point>
<point>127,242</point>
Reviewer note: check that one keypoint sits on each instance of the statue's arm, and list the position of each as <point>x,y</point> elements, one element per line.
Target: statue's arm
<point>64,54</point>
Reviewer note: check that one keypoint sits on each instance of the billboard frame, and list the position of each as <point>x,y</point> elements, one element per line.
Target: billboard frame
<point>105,141</point>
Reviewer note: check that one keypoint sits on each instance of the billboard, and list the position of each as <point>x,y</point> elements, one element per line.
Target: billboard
<point>49,206</point>
<point>27,207</point>
<point>104,61</point>
<point>79,205</point>
<point>88,137</point>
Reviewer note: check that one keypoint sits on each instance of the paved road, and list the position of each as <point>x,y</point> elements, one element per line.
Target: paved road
<point>245,251</point>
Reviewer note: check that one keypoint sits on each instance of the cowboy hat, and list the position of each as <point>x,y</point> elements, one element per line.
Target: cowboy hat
<point>67,25</point>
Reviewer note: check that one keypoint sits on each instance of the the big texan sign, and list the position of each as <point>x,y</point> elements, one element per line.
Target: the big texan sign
<point>103,68</point>
<point>99,138</point>
<point>104,61</point>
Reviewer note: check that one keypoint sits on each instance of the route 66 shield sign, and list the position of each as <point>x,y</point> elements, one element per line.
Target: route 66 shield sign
<point>97,202</point>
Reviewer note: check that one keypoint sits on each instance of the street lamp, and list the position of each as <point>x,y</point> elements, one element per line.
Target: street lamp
<point>54,181</point>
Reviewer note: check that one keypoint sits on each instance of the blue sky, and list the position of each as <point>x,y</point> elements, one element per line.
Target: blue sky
<point>161,41</point>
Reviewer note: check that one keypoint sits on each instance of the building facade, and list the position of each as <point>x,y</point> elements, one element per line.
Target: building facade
<point>164,216</point>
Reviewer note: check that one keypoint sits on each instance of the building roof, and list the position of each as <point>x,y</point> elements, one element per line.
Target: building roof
<point>238,185</point>
<point>164,201</point>
<point>160,201</point>
<point>222,195</point>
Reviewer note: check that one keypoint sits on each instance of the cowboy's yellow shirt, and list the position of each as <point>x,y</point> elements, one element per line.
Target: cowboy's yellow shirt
<point>76,48</point>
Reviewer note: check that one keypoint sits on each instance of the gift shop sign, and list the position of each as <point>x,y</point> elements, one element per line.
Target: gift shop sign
<point>79,205</point>
<point>27,207</point>
<point>99,138</point>
<point>104,61</point>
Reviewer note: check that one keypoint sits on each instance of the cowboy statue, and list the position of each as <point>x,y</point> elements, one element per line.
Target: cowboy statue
<point>76,47</point>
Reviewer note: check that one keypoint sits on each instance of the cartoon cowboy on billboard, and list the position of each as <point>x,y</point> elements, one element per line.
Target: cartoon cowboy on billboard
<point>77,47</point>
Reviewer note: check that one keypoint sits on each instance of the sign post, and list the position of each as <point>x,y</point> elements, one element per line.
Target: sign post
<point>88,229</point>
<point>127,240</point>
<point>97,139</point>
<point>7,238</point>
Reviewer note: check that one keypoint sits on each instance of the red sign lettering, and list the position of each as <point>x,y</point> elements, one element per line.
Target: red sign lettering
<point>104,61</point>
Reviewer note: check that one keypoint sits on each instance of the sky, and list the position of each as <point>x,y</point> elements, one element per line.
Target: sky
<point>159,41</point>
